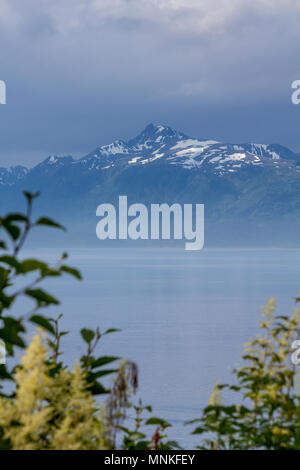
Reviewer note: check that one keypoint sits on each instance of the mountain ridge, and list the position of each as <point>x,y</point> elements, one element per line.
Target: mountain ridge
<point>168,145</point>
<point>246,188</point>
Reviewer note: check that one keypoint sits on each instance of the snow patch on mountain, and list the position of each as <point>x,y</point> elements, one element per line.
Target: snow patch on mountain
<point>193,143</point>
<point>116,148</point>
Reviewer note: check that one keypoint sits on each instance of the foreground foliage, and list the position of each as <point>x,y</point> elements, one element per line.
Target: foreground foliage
<point>267,413</point>
<point>50,411</point>
<point>44,404</point>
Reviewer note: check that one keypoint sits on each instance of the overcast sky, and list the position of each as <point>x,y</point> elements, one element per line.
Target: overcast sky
<point>80,73</point>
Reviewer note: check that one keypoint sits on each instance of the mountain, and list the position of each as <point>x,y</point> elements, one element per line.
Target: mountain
<point>251,191</point>
<point>10,176</point>
<point>163,145</point>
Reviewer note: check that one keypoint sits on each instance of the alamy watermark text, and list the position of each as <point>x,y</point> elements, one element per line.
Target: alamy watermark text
<point>164,222</point>
<point>296,93</point>
<point>2,352</point>
<point>2,92</point>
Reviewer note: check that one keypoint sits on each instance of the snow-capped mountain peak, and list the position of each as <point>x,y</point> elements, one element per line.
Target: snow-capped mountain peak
<point>238,183</point>
<point>159,144</point>
<point>162,145</point>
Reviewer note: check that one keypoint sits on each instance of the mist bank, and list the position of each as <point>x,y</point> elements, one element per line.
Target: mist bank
<point>228,234</point>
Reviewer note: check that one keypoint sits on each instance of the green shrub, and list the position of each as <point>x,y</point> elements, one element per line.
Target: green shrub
<point>50,406</point>
<point>267,413</point>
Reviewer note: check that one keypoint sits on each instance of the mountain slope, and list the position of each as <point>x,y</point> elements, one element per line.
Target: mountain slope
<point>245,187</point>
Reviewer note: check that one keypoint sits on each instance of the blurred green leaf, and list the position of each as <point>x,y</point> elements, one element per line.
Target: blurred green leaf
<point>157,422</point>
<point>102,361</point>
<point>72,271</point>
<point>42,297</point>
<point>16,218</point>
<point>87,335</point>
<point>111,330</point>
<point>11,261</point>
<point>45,221</point>
<point>30,265</point>
<point>13,230</point>
<point>43,322</point>
<point>30,196</point>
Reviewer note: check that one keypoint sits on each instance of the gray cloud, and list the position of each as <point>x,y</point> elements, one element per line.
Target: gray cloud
<point>82,72</point>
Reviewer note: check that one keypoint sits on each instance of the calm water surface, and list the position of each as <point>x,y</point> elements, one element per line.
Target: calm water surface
<point>184,315</point>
